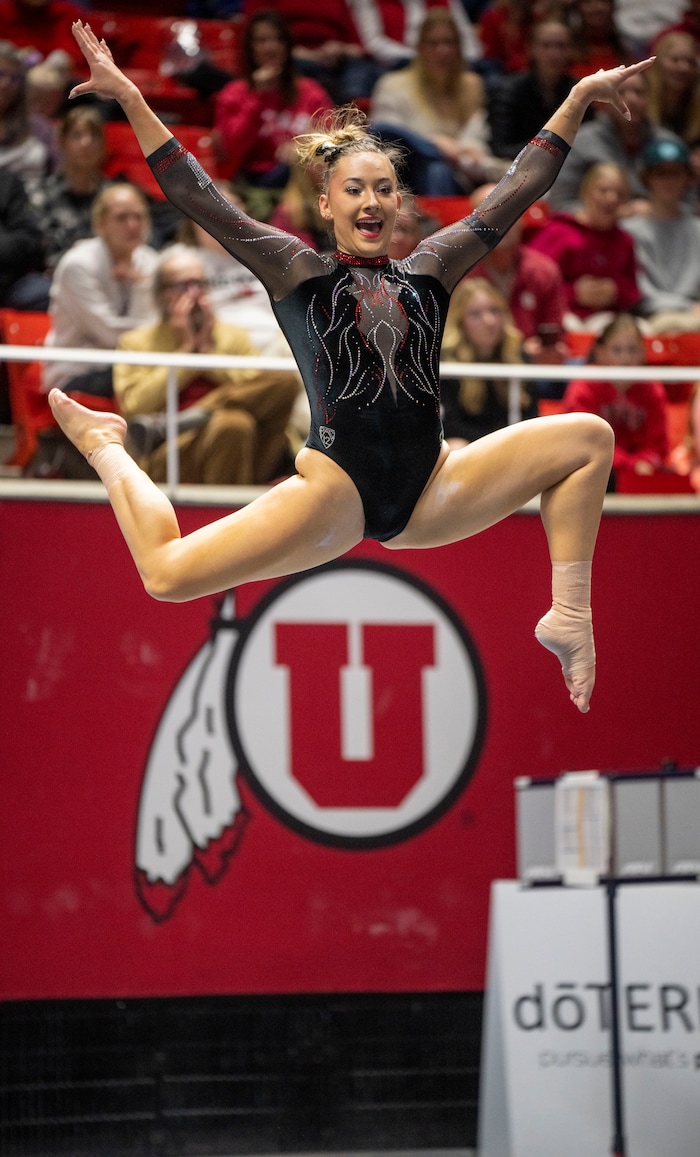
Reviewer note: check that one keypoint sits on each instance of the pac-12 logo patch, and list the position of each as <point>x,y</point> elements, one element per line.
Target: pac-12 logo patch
<point>352,701</point>
<point>327,436</point>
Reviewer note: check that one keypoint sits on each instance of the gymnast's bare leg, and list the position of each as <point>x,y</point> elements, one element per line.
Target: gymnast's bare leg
<point>565,458</point>
<point>300,523</point>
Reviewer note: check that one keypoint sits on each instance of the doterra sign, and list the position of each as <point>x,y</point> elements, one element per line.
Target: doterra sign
<point>547,1052</point>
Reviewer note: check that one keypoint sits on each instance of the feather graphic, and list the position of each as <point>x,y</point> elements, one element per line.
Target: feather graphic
<point>190,809</point>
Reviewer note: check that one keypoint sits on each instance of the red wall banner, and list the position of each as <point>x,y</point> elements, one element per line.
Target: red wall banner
<point>303,785</point>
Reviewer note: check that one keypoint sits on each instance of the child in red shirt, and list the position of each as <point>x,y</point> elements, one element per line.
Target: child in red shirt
<point>635,410</point>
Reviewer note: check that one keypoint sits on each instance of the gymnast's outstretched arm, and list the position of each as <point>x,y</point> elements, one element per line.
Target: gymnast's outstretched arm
<point>450,253</point>
<point>108,81</point>
<point>280,260</point>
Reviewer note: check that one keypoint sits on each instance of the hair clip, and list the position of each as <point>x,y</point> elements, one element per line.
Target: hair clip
<point>328,151</point>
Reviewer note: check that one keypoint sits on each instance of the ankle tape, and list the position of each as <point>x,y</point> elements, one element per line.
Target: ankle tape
<point>111,462</point>
<point>571,587</point>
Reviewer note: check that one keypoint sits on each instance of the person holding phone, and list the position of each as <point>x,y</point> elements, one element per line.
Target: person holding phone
<point>232,423</point>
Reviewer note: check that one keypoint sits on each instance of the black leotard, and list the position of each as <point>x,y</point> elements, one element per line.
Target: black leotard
<point>366,333</point>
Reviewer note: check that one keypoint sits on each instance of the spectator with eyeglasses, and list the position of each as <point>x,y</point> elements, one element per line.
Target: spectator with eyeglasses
<point>232,423</point>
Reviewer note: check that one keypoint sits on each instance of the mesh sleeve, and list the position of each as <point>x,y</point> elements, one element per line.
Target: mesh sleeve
<point>278,259</point>
<point>450,253</point>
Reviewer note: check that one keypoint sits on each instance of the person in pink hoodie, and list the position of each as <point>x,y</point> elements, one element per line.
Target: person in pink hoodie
<point>593,252</point>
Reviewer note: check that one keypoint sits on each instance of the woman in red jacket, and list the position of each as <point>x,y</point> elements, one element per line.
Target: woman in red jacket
<point>258,115</point>
<point>327,45</point>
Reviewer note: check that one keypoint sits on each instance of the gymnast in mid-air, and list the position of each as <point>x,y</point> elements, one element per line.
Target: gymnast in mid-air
<point>366,332</point>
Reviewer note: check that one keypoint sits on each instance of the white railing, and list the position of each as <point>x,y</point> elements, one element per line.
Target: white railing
<point>516,374</point>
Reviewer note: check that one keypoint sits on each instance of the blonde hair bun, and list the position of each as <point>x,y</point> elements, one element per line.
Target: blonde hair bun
<point>339,133</point>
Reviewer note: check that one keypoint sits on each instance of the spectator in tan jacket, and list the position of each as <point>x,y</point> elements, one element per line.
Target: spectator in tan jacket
<point>232,422</point>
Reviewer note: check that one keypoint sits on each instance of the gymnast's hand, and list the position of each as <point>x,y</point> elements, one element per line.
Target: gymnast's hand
<point>106,80</point>
<point>604,85</point>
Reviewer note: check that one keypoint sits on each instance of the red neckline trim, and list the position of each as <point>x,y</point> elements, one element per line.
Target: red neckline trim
<point>351,259</point>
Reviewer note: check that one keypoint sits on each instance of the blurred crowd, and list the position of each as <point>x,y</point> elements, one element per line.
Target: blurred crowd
<point>607,262</point>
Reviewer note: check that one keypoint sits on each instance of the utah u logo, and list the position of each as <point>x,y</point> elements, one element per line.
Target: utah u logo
<point>367,749</point>
<point>351,700</point>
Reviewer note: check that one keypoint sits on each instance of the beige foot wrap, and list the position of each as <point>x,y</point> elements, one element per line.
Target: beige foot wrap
<point>567,629</point>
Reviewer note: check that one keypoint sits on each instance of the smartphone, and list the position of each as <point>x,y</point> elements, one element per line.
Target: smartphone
<point>549,334</point>
<point>197,317</point>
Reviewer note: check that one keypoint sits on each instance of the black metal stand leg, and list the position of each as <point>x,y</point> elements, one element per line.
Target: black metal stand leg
<point>618,1143</point>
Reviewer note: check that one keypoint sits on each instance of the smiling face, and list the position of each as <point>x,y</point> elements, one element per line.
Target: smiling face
<point>361,203</point>
<point>676,61</point>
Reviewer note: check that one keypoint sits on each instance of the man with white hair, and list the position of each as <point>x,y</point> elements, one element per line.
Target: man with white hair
<point>232,422</point>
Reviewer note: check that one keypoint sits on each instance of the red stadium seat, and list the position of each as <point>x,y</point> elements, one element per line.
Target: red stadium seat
<point>533,219</point>
<point>677,418</point>
<point>200,143</point>
<point>579,342</point>
<point>661,482</point>
<point>548,406</point>
<point>142,41</point>
<point>129,8</point>
<point>681,349</point>
<point>137,40</point>
<point>31,412</point>
<point>30,409</point>
<point>444,210</point>
<point>142,45</point>
<point>125,159</point>
<point>221,40</point>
